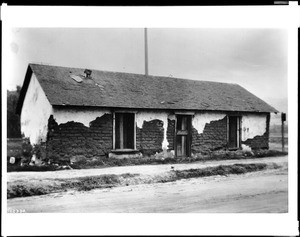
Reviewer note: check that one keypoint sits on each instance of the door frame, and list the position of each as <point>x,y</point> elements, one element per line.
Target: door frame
<point>238,132</point>
<point>189,135</point>
<point>114,128</point>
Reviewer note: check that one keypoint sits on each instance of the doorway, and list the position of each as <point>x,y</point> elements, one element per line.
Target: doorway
<point>233,132</point>
<point>183,136</point>
<point>124,130</point>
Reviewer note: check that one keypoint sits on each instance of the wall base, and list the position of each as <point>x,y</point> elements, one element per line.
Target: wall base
<point>125,154</point>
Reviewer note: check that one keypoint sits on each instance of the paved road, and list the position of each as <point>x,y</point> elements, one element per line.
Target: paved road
<point>260,192</point>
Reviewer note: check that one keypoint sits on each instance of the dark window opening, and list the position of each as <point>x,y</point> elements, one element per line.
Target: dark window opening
<point>124,130</point>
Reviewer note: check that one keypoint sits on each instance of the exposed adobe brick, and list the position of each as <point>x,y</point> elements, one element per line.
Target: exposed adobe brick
<point>149,138</point>
<point>72,139</point>
<point>214,137</point>
<point>258,142</point>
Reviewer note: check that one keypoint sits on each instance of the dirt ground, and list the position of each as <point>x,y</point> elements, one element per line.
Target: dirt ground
<point>138,169</point>
<point>261,192</point>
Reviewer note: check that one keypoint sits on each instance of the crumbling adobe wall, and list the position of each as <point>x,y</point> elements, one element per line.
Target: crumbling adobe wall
<point>259,139</point>
<point>150,137</point>
<point>71,139</point>
<point>171,134</point>
<point>213,137</point>
<point>258,142</point>
<point>146,116</point>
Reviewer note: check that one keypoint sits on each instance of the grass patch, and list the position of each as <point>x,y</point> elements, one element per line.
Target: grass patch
<point>112,162</point>
<point>29,168</point>
<point>91,182</point>
<point>25,190</point>
<point>151,160</point>
<point>220,170</point>
<point>62,185</point>
<point>268,153</point>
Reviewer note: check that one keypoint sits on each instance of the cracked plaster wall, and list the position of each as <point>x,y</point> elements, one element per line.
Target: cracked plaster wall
<point>35,113</point>
<point>253,125</point>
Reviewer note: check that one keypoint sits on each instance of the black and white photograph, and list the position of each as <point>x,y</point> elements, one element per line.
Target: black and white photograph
<point>147,120</point>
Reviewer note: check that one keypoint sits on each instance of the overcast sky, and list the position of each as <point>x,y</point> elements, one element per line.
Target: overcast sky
<point>254,58</point>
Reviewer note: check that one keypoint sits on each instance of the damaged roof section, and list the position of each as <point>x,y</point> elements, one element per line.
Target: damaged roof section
<point>128,90</point>
<point>76,78</point>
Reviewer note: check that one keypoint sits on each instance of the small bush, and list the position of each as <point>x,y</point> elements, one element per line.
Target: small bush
<point>26,148</point>
<point>40,151</point>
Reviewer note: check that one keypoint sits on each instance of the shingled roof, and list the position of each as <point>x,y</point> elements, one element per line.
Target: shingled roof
<point>128,90</point>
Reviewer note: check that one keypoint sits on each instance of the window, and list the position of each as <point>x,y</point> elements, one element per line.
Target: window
<point>124,128</point>
<point>233,132</point>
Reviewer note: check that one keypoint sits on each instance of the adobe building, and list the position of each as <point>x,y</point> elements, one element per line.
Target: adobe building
<point>94,113</point>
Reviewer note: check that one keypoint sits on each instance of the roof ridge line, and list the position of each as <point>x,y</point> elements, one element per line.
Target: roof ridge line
<point>138,74</point>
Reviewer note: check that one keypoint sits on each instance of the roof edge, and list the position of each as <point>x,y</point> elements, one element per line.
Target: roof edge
<point>24,89</point>
<point>135,108</point>
<point>272,109</point>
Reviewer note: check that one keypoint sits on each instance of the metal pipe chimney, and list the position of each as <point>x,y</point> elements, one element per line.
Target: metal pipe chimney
<point>146,53</point>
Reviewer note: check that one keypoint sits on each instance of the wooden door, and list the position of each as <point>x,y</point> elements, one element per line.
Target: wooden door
<point>183,136</point>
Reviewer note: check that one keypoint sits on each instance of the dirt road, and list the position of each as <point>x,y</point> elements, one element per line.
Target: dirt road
<point>261,192</point>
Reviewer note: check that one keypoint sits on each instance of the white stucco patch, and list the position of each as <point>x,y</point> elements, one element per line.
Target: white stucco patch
<point>80,116</point>
<point>171,116</point>
<point>201,119</point>
<point>148,116</point>
<point>35,113</point>
<point>246,148</point>
<point>253,125</point>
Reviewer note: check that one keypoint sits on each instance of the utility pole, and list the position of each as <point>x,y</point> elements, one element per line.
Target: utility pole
<point>146,53</point>
<point>283,118</point>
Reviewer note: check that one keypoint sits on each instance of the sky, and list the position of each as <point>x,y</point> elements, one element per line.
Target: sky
<point>253,58</point>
